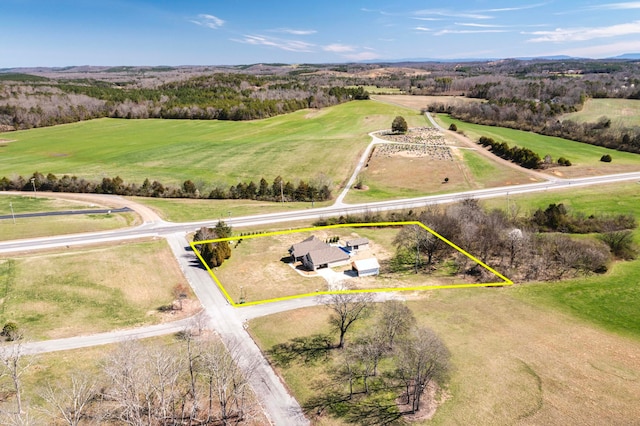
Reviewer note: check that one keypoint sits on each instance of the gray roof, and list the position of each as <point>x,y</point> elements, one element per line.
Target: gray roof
<point>357,242</point>
<point>302,248</point>
<point>327,255</point>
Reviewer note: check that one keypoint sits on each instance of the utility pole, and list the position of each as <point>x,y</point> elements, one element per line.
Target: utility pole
<point>33,182</point>
<point>12,214</point>
<point>281,192</point>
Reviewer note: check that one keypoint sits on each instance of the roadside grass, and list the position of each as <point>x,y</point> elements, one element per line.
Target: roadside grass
<point>513,362</point>
<point>295,146</point>
<point>26,204</point>
<point>75,292</point>
<point>585,158</point>
<point>613,198</point>
<point>188,210</point>
<point>621,112</point>
<point>60,225</point>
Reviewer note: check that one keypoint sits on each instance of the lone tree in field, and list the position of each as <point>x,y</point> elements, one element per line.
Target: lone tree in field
<point>399,125</point>
<point>347,308</point>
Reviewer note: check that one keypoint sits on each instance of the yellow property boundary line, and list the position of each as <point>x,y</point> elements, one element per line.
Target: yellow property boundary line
<point>506,281</point>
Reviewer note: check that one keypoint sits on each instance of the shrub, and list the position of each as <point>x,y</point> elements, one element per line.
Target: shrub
<point>10,331</point>
<point>564,162</point>
<point>606,158</point>
<point>399,125</point>
<point>453,127</point>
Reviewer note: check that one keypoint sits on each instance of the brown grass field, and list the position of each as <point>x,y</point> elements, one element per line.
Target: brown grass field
<point>80,291</point>
<point>513,362</point>
<point>419,102</point>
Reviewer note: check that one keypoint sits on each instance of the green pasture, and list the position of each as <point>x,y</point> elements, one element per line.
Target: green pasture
<point>621,112</point>
<point>581,155</point>
<point>295,146</point>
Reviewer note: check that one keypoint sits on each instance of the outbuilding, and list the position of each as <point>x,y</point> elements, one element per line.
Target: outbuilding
<point>357,244</point>
<point>366,267</point>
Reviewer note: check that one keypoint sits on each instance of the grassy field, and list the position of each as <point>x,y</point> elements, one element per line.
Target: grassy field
<point>55,225</point>
<point>295,146</point>
<point>418,102</point>
<point>621,112</point>
<point>73,292</point>
<point>186,210</point>
<point>514,362</point>
<point>585,158</point>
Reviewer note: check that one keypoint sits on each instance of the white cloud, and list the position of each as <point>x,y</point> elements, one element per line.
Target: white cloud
<point>362,56</point>
<point>451,14</point>
<point>338,48</point>
<point>586,33</point>
<point>444,32</point>
<point>288,45</point>
<point>618,6</point>
<point>295,32</point>
<point>469,24</point>
<point>603,50</point>
<point>515,8</point>
<point>208,21</point>
<point>422,29</point>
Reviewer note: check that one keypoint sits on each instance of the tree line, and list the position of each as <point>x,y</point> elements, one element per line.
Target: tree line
<point>278,190</point>
<point>217,96</point>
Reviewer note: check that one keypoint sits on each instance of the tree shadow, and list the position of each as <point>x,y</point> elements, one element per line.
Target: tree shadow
<point>306,349</point>
<point>374,411</point>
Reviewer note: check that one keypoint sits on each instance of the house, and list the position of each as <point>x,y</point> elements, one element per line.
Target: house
<point>357,244</point>
<point>366,267</point>
<point>315,254</point>
<point>299,251</point>
<point>325,258</point>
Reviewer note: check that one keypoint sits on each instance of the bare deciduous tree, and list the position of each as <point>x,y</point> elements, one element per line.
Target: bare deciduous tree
<point>422,357</point>
<point>70,403</point>
<point>346,309</point>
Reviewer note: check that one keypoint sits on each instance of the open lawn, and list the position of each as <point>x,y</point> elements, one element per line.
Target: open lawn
<point>296,146</point>
<point>621,112</point>
<point>513,362</point>
<point>73,292</point>
<point>585,158</point>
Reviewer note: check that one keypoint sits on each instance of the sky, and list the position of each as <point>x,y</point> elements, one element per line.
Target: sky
<point>58,33</point>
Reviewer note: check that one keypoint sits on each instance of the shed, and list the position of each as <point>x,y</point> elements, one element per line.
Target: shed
<point>366,267</point>
<point>357,244</point>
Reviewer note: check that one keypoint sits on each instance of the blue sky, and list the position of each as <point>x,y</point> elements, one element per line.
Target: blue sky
<point>226,32</point>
